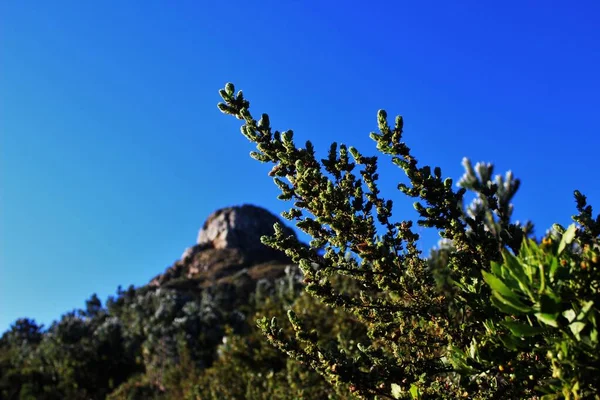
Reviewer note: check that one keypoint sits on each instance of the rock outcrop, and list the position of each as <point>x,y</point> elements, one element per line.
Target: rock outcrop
<point>228,242</point>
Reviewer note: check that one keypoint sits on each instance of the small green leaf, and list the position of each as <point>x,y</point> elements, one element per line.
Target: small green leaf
<point>585,309</point>
<point>569,315</point>
<point>577,327</point>
<point>594,336</point>
<point>414,392</point>
<point>490,327</point>
<point>396,391</point>
<point>567,238</point>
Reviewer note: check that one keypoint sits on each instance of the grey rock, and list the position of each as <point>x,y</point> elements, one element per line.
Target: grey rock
<point>240,227</point>
<point>229,242</point>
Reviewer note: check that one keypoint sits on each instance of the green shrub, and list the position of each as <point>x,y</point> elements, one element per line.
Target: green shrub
<point>472,321</point>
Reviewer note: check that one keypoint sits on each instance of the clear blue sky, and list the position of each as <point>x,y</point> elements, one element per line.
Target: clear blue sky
<point>113,151</point>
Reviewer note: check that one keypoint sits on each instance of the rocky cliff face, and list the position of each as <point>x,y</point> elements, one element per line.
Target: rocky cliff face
<point>229,242</point>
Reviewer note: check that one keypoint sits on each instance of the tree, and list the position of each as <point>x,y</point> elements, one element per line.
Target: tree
<point>474,320</point>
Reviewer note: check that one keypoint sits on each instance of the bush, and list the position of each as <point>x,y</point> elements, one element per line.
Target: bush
<point>490,315</point>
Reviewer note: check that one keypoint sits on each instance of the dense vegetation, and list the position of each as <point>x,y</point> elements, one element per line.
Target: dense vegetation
<point>164,344</point>
<point>491,313</point>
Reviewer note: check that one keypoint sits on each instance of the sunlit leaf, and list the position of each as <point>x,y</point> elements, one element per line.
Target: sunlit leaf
<point>577,327</point>
<point>414,392</point>
<point>498,285</point>
<point>548,319</point>
<point>567,238</point>
<point>396,390</point>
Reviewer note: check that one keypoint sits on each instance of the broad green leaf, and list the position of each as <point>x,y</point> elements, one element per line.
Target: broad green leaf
<point>519,329</point>
<point>517,270</point>
<point>515,303</point>
<point>567,238</point>
<point>548,319</point>
<point>457,359</point>
<point>498,285</point>
<point>525,251</point>
<point>569,315</point>
<point>496,268</point>
<point>504,307</point>
<point>510,342</point>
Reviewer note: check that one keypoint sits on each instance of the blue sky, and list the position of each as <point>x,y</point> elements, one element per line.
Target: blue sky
<point>113,152</point>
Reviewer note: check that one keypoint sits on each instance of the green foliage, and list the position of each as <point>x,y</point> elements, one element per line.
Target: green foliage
<point>547,337</point>
<point>437,328</point>
<point>249,368</point>
<point>84,355</point>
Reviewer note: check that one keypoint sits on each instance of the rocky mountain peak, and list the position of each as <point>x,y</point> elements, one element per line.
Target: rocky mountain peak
<point>228,241</point>
<point>238,227</point>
